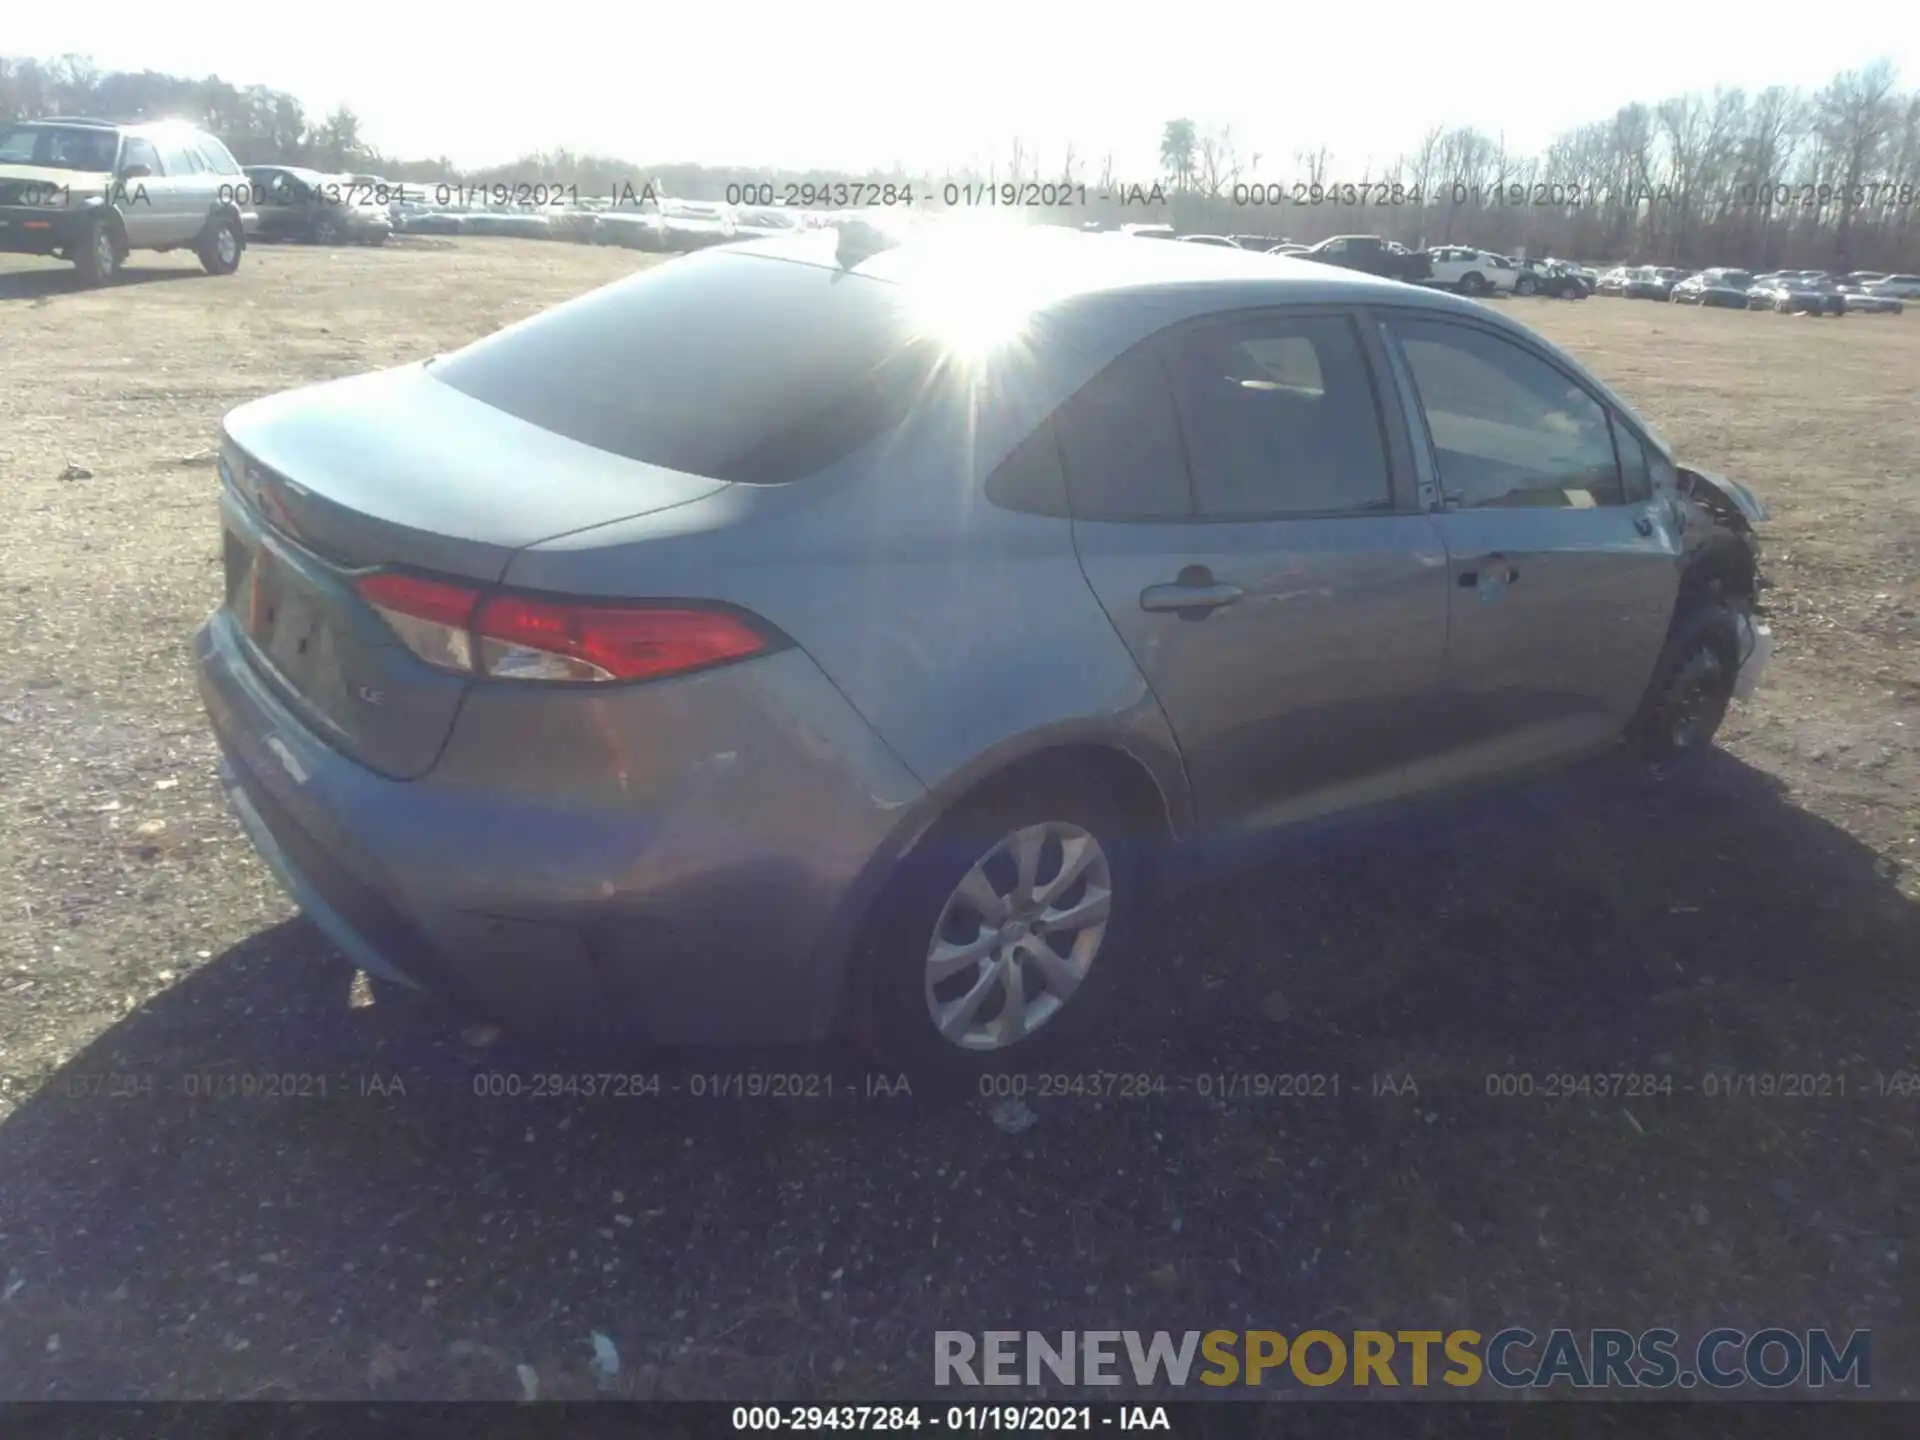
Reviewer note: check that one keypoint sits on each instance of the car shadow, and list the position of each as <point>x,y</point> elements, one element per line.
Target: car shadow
<point>44,284</point>
<point>257,1185</point>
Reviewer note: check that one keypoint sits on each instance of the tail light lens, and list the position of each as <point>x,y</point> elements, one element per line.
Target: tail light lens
<point>522,637</point>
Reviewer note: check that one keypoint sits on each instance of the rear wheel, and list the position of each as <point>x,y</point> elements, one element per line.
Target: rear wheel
<point>219,249</point>
<point>1473,283</point>
<point>1005,931</point>
<point>1525,285</point>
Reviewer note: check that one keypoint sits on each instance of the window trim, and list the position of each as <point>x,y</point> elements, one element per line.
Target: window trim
<point>1616,425</point>
<point>1428,454</point>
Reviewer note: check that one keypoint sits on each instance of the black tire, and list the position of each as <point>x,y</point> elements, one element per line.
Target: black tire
<point>890,1003</point>
<point>323,231</point>
<point>1692,684</point>
<point>221,246</point>
<point>1473,283</point>
<point>1525,285</point>
<point>99,254</point>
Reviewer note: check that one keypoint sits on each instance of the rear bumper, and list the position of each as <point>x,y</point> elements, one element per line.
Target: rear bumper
<point>690,867</point>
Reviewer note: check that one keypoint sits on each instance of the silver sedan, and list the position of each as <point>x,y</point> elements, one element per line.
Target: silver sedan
<point>830,632</point>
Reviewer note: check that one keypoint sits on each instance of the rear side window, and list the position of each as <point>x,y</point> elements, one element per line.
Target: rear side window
<point>1120,444</point>
<point>739,368</point>
<point>1280,418</point>
<point>1031,478</point>
<point>215,157</point>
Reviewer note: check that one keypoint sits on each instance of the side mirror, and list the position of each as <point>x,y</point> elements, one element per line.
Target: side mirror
<point>135,171</point>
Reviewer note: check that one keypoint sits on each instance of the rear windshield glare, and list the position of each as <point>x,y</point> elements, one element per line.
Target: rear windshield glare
<point>736,367</point>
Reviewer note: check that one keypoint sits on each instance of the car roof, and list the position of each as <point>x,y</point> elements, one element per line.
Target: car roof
<point>298,172</point>
<point>1052,264</point>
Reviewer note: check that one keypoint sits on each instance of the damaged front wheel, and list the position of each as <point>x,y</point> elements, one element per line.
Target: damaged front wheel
<point>1692,685</point>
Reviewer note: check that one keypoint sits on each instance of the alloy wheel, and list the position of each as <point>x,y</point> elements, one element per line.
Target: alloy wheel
<point>1018,935</point>
<point>225,246</point>
<point>105,255</point>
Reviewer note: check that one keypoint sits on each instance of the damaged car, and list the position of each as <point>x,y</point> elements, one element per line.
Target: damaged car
<point>659,683</point>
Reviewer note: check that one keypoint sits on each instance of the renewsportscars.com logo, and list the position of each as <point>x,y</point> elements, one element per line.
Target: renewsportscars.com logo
<point>1514,1358</point>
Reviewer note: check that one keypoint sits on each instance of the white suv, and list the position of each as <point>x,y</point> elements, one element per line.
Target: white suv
<point>1470,271</point>
<point>89,191</point>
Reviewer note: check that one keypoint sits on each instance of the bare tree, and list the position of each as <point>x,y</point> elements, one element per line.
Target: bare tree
<point>1179,143</point>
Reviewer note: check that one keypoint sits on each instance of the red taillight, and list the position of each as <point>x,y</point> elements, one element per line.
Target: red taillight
<point>433,600</point>
<point>522,637</point>
<point>551,640</point>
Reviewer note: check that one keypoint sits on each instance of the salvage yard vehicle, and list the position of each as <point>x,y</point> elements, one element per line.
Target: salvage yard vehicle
<point>1714,288</point>
<point>1792,293</point>
<point>1371,255</point>
<point>1638,282</point>
<point>295,203</point>
<point>1470,271</point>
<point>92,191</point>
<point>1904,287</point>
<point>616,670</point>
<point>1555,279</point>
<point>1872,302</point>
<point>631,229</point>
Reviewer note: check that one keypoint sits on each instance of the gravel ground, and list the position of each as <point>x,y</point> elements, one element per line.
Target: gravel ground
<point>170,1229</point>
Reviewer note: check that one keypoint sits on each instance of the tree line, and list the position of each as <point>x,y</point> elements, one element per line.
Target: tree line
<point>1763,180</point>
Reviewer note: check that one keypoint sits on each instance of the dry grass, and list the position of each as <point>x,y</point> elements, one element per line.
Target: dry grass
<point>1758,915</point>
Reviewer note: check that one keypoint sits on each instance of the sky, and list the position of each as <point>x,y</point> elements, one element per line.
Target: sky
<point>855,84</point>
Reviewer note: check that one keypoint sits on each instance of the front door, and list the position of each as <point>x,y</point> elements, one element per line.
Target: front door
<point>1237,513</point>
<point>1564,570</point>
<point>180,211</point>
<point>141,200</point>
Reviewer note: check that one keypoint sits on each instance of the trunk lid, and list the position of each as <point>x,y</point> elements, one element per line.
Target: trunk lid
<point>394,470</point>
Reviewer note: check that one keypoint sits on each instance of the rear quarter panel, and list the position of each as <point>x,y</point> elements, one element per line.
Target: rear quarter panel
<point>963,633</point>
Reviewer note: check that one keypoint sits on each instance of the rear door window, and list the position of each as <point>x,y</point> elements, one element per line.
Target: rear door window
<point>1280,418</point>
<point>178,158</point>
<point>215,157</point>
<point>742,368</point>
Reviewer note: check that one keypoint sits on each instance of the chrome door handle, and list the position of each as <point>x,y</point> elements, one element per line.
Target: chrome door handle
<point>1206,596</point>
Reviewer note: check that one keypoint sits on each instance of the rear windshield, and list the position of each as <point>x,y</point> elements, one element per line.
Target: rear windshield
<point>741,368</point>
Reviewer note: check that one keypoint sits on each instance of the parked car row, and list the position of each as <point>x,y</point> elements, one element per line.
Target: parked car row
<point>1812,292</point>
<point>1463,268</point>
<point>293,203</point>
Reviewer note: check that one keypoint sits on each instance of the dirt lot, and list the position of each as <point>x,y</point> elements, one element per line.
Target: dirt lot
<point>166,1232</point>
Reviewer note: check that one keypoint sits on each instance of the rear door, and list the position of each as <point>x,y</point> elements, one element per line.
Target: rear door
<point>178,211</point>
<point>1249,523</point>
<point>1563,578</point>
